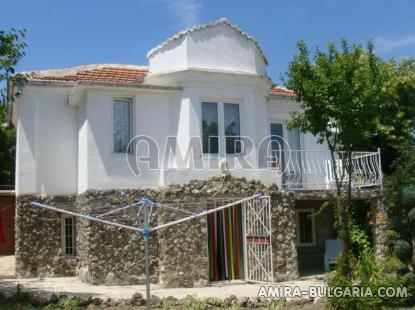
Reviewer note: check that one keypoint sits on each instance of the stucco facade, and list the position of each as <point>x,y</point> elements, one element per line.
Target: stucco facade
<point>66,128</point>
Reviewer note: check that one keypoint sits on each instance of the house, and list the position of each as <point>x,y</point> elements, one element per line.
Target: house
<point>201,120</point>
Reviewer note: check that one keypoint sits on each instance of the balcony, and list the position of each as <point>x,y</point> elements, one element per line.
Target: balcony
<point>314,170</point>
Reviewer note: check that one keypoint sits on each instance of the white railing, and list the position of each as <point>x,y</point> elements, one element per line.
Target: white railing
<point>308,169</point>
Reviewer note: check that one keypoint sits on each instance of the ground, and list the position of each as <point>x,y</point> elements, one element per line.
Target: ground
<point>7,266</point>
<point>71,286</point>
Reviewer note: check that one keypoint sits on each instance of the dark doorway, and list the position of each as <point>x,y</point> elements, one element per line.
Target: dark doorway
<point>7,214</point>
<point>225,244</point>
<point>314,230</point>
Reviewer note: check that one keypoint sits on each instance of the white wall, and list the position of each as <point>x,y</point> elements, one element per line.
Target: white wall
<point>109,170</point>
<point>219,48</point>
<point>46,158</point>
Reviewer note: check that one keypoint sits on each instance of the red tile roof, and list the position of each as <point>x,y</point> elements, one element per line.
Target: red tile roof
<point>124,74</point>
<point>282,91</point>
<point>120,74</point>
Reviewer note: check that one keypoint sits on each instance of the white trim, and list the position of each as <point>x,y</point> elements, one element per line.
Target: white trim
<point>221,123</point>
<point>313,227</point>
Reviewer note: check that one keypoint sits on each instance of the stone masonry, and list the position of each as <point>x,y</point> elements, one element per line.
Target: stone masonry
<point>179,254</point>
<point>38,239</point>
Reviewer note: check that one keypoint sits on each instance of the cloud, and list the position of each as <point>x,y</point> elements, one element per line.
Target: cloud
<point>184,13</point>
<point>395,43</point>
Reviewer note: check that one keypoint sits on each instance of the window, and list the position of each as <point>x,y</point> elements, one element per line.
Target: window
<point>68,235</point>
<point>277,146</point>
<point>232,128</point>
<point>305,227</point>
<point>221,128</point>
<point>210,129</point>
<point>122,124</point>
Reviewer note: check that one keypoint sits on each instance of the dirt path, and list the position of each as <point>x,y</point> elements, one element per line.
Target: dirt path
<point>7,266</point>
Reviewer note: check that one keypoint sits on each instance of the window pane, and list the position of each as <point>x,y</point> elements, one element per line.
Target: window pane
<point>305,227</point>
<point>210,130</point>
<point>277,145</point>
<point>232,128</point>
<point>69,235</point>
<point>122,125</point>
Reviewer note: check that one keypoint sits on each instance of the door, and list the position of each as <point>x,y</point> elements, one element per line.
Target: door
<point>258,240</point>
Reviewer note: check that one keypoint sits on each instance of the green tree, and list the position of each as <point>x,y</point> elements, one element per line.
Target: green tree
<point>397,117</point>
<point>11,51</point>
<point>342,93</point>
<point>400,188</point>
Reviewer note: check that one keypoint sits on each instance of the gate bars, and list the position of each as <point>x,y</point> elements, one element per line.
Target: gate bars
<point>258,232</point>
<point>258,240</point>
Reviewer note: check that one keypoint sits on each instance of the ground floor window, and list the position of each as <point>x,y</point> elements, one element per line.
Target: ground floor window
<point>69,235</point>
<point>305,227</point>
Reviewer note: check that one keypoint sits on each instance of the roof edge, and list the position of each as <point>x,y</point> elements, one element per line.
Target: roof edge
<point>220,21</point>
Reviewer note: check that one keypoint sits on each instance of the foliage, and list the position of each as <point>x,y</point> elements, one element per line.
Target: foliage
<point>11,51</point>
<point>66,303</point>
<point>20,296</point>
<point>359,229</point>
<point>7,149</point>
<point>341,93</point>
<point>402,249</point>
<point>367,269</point>
<point>371,275</point>
<point>400,191</point>
<point>193,303</point>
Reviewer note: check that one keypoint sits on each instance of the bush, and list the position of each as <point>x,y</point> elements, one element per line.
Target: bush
<point>66,303</point>
<point>371,276</point>
<point>402,249</point>
<point>367,269</point>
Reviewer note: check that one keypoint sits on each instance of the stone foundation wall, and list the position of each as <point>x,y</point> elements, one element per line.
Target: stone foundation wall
<point>284,234</point>
<point>114,256</point>
<point>38,239</point>
<point>380,228</point>
<point>111,255</point>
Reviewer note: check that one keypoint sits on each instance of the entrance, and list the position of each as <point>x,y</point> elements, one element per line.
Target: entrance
<point>226,243</point>
<point>239,241</point>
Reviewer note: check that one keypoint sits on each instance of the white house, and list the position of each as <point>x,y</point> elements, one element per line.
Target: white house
<point>208,83</point>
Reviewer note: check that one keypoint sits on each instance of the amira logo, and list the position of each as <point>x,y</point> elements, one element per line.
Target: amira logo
<point>239,153</point>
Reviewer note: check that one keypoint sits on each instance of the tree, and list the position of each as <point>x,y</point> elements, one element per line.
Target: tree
<point>342,93</point>
<point>397,117</point>
<point>400,188</point>
<point>11,51</point>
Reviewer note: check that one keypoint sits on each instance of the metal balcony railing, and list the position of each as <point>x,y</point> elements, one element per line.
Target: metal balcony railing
<point>309,169</point>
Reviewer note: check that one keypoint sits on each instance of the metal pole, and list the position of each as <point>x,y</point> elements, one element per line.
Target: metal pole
<point>205,213</point>
<point>91,218</point>
<point>116,210</point>
<point>146,233</point>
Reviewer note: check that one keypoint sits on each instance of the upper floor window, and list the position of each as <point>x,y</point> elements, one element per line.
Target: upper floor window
<point>122,124</point>
<point>221,127</point>
<point>232,128</point>
<point>210,127</point>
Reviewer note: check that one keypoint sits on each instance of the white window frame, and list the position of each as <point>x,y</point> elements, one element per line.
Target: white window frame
<point>221,124</point>
<point>132,129</point>
<point>63,235</point>
<point>313,227</point>
<point>285,130</point>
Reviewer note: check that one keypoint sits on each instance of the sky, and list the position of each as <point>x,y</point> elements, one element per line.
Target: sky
<point>72,32</point>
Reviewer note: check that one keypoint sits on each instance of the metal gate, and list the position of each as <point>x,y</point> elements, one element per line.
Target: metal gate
<point>258,240</point>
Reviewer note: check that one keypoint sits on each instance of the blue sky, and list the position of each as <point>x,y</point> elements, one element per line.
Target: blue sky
<point>69,33</point>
